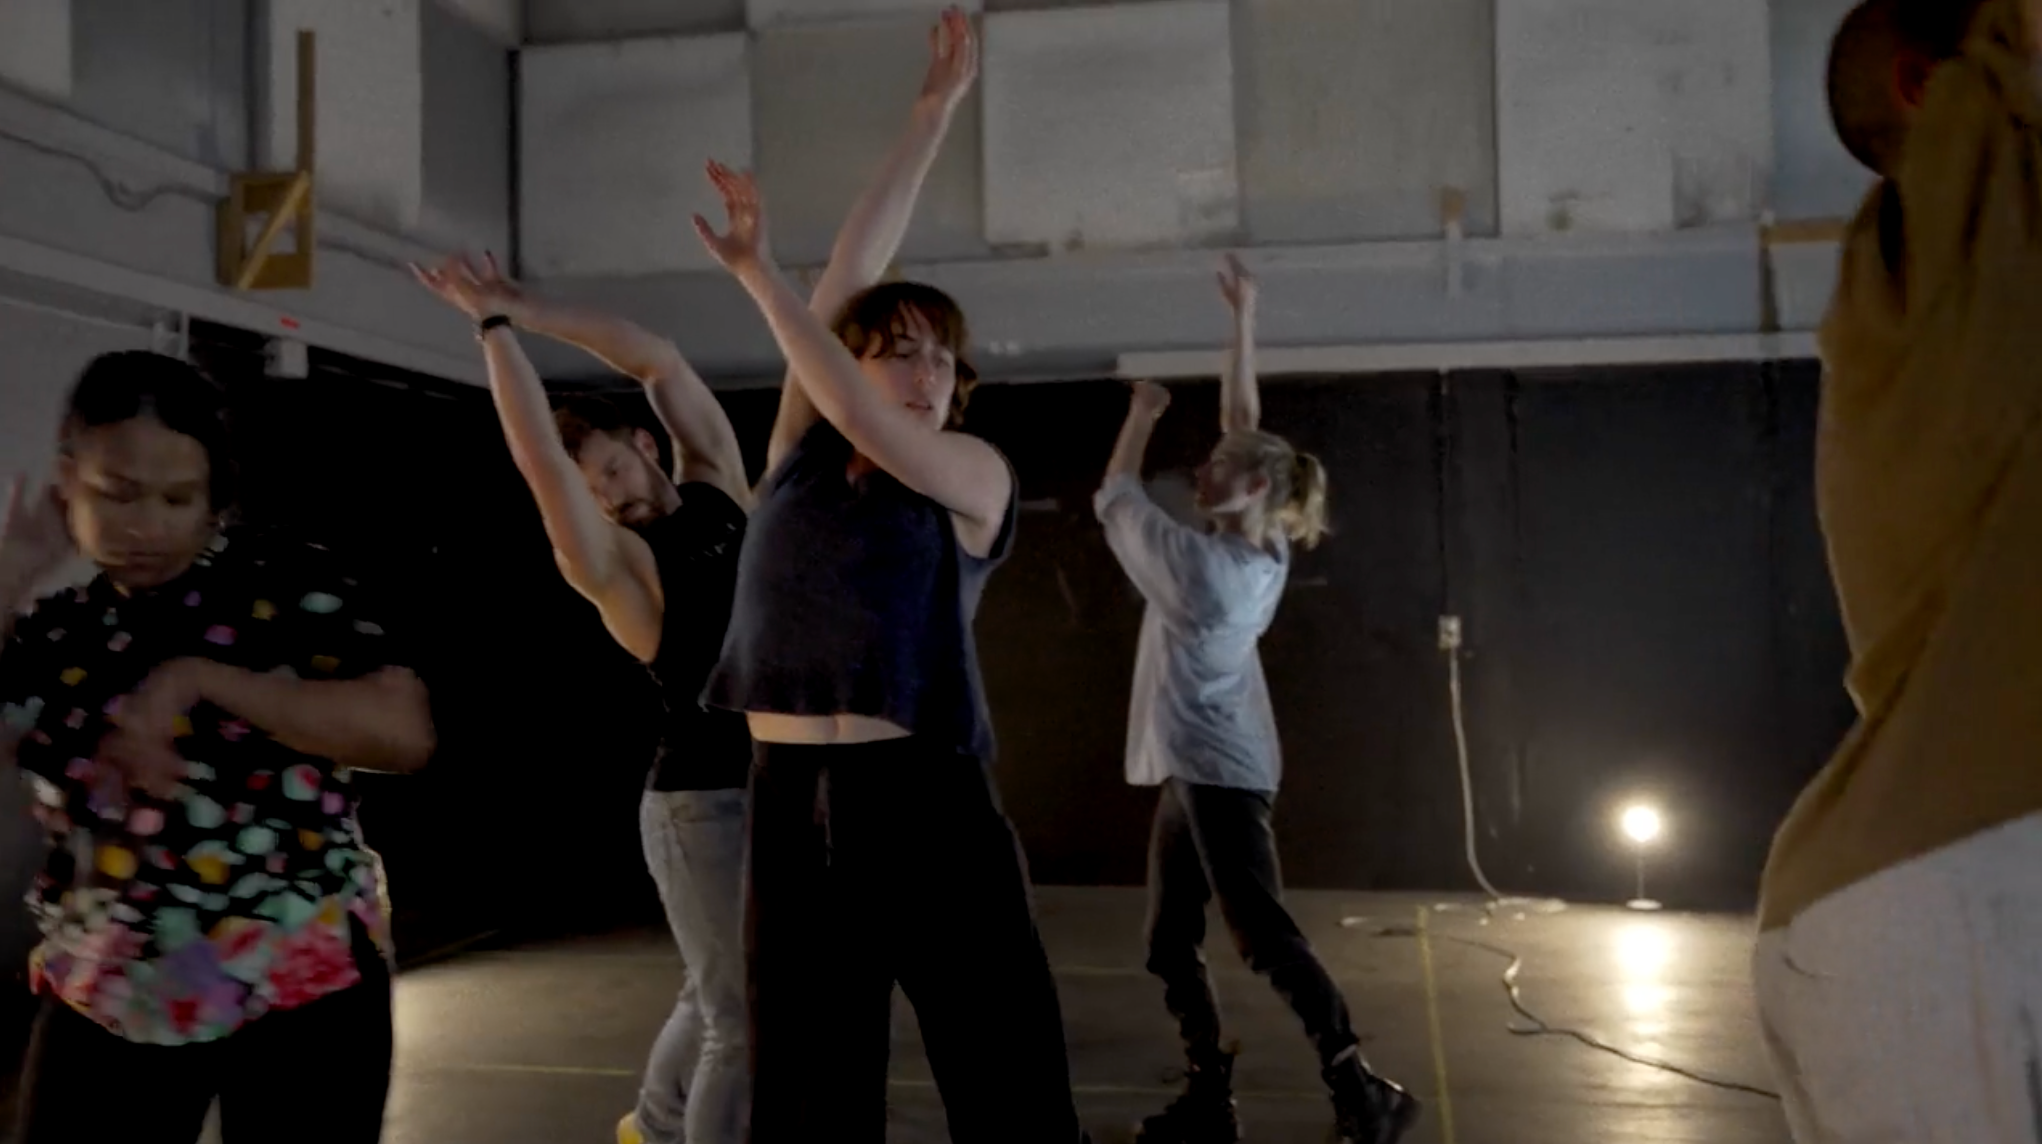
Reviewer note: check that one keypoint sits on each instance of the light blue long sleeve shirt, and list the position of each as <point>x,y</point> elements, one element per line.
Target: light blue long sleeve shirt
<point>1200,710</point>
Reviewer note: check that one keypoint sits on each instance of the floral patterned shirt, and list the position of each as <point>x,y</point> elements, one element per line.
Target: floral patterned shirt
<point>174,922</point>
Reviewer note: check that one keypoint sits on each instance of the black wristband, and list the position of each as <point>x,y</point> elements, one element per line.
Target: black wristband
<point>493,321</point>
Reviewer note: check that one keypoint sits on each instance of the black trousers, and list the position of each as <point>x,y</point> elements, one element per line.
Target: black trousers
<point>885,863</point>
<point>1217,841</point>
<point>319,1074</point>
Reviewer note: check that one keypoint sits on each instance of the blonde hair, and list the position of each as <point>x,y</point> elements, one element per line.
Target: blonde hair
<point>1297,483</point>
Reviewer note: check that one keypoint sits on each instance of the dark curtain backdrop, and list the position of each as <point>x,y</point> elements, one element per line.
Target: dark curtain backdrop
<point>1633,553</point>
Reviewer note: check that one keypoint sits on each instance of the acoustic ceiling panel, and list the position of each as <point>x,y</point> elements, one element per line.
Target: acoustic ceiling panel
<point>613,139</point>
<point>568,21</point>
<point>1357,114</point>
<point>774,13</point>
<point>1616,115</point>
<point>829,103</point>
<point>1111,126</point>
<point>35,45</point>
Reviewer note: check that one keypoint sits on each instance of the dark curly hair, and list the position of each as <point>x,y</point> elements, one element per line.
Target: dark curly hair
<point>116,388</point>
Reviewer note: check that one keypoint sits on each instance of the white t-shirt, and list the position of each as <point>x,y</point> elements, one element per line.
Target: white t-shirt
<point>1200,711</point>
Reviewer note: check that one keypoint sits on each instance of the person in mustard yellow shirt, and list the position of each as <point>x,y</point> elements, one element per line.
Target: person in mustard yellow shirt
<point>1899,965</point>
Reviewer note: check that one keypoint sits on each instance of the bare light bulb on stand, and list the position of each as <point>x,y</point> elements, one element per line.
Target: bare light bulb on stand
<point>1642,825</point>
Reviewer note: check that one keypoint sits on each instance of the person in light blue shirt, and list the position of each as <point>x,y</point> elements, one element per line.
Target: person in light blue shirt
<point>1200,728</point>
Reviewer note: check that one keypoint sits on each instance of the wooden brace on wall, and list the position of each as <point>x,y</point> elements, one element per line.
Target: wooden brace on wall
<point>279,200</point>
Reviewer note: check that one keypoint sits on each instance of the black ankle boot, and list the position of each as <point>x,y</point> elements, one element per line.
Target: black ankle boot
<point>1205,1113</point>
<point>1366,1108</point>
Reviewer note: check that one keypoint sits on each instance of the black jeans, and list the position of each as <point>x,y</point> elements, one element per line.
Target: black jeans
<point>318,1074</point>
<point>1217,840</point>
<point>884,863</point>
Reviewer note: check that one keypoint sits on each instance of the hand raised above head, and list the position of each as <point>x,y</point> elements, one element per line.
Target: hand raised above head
<point>477,291</point>
<point>743,245</point>
<point>953,61</point>
<point>1237,286</point>
<point>1148,399</point>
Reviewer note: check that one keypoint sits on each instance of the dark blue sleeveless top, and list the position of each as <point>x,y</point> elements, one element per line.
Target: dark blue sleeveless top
<point>854,598</point>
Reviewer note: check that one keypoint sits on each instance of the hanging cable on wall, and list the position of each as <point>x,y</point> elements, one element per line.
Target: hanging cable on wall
<point>138,200</point>
<point>1451,641</point>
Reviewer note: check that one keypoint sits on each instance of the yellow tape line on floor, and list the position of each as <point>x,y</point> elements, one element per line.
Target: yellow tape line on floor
<point>1446,1104</point>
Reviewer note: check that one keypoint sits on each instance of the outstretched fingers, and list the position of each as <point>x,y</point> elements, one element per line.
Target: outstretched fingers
<point>743,239</point>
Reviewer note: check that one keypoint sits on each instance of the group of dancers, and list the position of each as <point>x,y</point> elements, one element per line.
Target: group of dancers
<point>820,818</point>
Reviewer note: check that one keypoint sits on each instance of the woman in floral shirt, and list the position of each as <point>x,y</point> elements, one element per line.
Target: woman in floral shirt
<point>213,925</point>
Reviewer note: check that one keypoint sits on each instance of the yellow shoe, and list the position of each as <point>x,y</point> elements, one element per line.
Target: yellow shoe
<point>627,1130</point>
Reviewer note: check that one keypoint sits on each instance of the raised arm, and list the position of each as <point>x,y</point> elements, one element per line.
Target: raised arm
<point>604,562</point>
<point>872,232</point>
<point>1240,393</point>
<point>1146,403</point>
<point>705,445</point>
<point>1174,567</point>
<point>34,543</point>
<point>1967,185</point>
<point>956,470</point>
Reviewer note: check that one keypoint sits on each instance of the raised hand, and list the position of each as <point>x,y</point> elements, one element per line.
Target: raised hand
<point>744,245</point>
<point>953,61</point>
<point>1148,399</point>
<point>35,540</point>
<point>478,292</point>
<point>1238,286</point>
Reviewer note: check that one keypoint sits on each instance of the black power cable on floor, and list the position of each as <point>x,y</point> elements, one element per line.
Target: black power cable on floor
<point>1537,1026</point>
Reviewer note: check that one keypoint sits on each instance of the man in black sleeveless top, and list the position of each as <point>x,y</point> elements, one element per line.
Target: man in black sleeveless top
<point>658,558</point>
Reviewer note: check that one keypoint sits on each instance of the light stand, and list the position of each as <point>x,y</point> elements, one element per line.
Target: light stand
<point>1641,825</point>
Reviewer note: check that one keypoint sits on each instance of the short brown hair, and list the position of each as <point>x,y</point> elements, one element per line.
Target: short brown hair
<point>586,415</point>
<point>876,317</point>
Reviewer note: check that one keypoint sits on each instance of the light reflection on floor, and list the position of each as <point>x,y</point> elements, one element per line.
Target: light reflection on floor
<point>544,1044</point>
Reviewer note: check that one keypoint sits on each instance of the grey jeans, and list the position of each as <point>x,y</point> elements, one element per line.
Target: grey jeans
<point>697,1086</point>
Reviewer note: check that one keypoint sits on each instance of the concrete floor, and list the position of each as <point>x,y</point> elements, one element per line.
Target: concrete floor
<point>544,1043</point>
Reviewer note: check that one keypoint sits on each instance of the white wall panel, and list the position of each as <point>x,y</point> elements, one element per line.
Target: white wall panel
<point>1356,113</point>
<point>172,72</point>
<point>1632,115</point>
<point>1815,176</point>
<point>773,13</point>
<point>504,20</point>
<point>35,45</point>
<point>613,137</point>
<point>467,135</point>
<point>1110,127</point>
<point>370,100</point>
<point>829,103</point>
<point>565,21</point>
